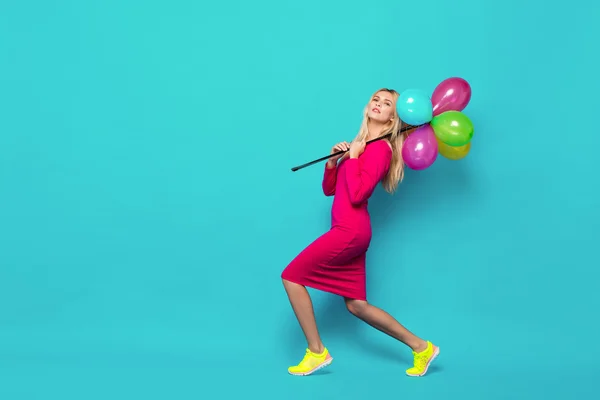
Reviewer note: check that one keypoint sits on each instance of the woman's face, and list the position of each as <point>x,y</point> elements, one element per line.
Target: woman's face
<point>381,108</point>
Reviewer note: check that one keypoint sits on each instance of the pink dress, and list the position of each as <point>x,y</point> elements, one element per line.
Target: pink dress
<point>335,262</point>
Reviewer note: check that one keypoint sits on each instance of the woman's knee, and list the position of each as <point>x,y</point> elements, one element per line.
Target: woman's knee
<point>289,285</point>
<point>356,307</point>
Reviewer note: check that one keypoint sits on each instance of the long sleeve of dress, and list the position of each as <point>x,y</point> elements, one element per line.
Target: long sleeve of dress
<point>364,173</point>
<point>329,180</point>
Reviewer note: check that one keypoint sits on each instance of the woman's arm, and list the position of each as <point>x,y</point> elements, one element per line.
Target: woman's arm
<point>330,174</point>
<point>329,179</point>
<point>365,172</point>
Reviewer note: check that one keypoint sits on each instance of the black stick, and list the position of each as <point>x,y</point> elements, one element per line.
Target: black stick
<point>402,130</point>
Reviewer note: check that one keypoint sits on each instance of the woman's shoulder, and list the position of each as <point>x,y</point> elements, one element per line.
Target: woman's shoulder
<point>388,144</point>
<point>381,146</point>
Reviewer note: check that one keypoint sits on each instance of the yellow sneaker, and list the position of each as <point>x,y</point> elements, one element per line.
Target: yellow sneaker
<point>311,363</point>
<point>422,360</point>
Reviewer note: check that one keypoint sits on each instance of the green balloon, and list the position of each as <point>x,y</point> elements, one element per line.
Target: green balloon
<point>453,128</point>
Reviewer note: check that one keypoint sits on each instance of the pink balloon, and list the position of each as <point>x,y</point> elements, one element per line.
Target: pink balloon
<point>420,149</point>
<point>452,94</point>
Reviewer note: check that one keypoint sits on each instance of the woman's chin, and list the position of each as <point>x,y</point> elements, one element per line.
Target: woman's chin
<point>375,117</point>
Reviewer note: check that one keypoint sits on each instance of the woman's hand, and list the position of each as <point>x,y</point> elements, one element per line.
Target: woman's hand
<point>342,146</point>
<point>357,148</point>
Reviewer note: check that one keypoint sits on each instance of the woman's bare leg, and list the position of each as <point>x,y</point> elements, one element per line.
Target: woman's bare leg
<point>384,322</point>
<point>303,308</point>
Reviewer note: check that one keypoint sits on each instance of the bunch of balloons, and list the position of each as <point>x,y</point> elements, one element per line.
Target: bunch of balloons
<point>443,128</point>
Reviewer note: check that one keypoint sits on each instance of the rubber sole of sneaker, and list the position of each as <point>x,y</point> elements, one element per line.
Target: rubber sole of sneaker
<point>435,354</point>
<point>320,366</point>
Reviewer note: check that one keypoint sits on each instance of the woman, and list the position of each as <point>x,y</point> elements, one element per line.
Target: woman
<point>335,262</point>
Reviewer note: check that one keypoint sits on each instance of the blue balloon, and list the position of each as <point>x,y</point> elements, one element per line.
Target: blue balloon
<point>414,107</point>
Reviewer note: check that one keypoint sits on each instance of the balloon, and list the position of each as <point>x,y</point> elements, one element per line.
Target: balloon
<point>453,128</point>
<point>414,107</point>
<point>420,149</point>
<point>452,94</point>
<point>452,152</point>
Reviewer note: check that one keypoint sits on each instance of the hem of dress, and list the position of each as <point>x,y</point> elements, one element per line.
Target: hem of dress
<point>323,288</point>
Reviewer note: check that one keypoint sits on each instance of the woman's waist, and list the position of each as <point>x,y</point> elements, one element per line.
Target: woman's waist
<point>355,220</point>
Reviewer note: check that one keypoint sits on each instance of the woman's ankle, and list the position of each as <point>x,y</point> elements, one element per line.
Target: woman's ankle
<point>419,346</point>
<point>318,348</point>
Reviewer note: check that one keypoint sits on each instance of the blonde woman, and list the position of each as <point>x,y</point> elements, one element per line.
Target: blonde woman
<point>335,262</point>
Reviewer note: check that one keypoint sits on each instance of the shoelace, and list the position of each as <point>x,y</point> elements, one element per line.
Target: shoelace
<point>420,359</point>
<point>306,357</point>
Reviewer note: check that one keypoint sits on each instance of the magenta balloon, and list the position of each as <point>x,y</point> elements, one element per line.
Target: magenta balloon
<point>452,94</point>
<point>420,149</point>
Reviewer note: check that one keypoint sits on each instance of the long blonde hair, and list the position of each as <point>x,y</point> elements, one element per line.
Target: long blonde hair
<point>396,172</point>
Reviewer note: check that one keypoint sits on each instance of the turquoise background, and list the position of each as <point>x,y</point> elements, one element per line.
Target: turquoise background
<point>147,207</point>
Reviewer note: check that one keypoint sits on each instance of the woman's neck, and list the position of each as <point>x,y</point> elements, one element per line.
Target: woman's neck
<point>375,130</point>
